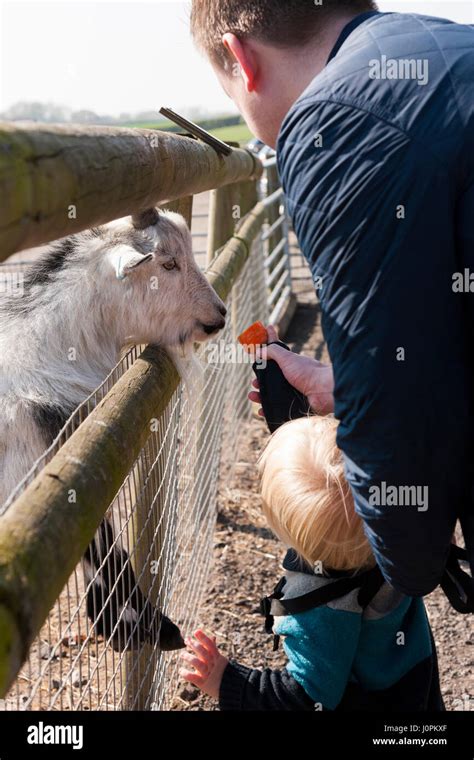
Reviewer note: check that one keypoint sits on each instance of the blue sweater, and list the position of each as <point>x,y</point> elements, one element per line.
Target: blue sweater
<point>342,656</point>
<point>378,171</point>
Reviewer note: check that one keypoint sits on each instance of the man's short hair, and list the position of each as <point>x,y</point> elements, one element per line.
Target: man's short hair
<point>284,23</point>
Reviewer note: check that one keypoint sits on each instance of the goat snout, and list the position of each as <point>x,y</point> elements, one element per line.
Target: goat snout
<point>223,310</point>
<point>210,329</point>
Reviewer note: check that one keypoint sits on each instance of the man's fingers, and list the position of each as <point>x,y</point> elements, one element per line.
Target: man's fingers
<point>272,332</point>
<point>254,396</point>
<point>277,353</point>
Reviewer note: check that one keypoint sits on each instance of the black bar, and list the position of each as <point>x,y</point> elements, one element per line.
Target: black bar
<point>134,735</point>
<point>196,131</point>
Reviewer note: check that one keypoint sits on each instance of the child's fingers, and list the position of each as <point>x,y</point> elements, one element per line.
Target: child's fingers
<point>201,666</point>
<point>208,643</point>
<point>197,648</point>
<point>255,383</point>
<point>193,678</point>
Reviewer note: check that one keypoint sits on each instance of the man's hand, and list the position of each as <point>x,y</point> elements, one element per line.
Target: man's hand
<point>208,663</point>
<point>312,378</point>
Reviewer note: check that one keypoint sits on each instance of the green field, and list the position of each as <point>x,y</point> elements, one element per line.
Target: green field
<point>236,133</point>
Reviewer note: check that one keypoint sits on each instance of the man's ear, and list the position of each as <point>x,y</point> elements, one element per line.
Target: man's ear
<point>126,259</point>
<point>240,52</point>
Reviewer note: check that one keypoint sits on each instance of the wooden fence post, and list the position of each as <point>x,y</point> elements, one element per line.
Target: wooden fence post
<point>248,198</point>
<point>272,216</point>
<point>222,221</point>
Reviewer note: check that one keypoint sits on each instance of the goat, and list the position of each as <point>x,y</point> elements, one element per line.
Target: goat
<point>133,280</point>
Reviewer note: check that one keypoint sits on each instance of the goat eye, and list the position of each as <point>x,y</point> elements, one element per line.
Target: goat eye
<point>169,265</point>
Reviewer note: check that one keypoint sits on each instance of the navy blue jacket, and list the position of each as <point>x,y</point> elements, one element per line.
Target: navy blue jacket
<point>377,161</point>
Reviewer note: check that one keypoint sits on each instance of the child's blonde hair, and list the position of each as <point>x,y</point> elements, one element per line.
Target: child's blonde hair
<point>306,499</point>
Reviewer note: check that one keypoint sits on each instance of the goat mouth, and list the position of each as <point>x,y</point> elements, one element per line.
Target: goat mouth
<point>214,328</point>
<point>190,336</point>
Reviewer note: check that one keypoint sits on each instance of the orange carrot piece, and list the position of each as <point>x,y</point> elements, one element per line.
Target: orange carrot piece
<point>255,335</point>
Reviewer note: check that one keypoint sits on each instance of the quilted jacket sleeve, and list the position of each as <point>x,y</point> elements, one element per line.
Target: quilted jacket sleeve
<point>375,217</point>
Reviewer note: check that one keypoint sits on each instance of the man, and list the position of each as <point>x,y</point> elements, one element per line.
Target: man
<point>372,116</point>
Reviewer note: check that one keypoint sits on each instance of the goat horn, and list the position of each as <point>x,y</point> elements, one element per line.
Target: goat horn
<point>145,218</point>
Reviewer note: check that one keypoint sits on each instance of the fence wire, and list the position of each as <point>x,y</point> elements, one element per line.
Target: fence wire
<point>160,546</point>
<point>99,647</point>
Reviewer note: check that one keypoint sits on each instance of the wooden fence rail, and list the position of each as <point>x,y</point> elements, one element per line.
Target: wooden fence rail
<point>56,180</point>
<point>44,532</point>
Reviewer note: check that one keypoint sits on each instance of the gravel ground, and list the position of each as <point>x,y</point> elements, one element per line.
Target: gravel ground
<point>247,557</point>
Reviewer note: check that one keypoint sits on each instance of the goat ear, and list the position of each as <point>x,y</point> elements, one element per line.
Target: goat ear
<point>125,259</point>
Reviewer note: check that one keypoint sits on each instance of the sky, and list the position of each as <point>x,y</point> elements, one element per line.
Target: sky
<point>114,57</point>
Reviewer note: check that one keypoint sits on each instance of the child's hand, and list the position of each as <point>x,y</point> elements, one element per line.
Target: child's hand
<point>208,663</point>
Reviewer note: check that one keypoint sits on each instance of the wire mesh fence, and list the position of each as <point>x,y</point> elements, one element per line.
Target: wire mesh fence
<point>100,646</point>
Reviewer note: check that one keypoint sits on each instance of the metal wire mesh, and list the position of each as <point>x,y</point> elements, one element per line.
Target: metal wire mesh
<point>91,654</point>
<point>163,517</point>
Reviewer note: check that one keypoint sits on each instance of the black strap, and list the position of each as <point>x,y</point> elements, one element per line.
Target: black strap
<point>266,610</point>
<point>327,593</point>
<point>369,583</point>
<point>456,583</point>
<point>372,584</point>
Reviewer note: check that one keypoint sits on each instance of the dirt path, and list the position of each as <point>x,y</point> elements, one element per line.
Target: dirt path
<point>247,557</point>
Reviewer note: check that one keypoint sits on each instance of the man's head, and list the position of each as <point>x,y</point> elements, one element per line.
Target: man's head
<point>266,52</point>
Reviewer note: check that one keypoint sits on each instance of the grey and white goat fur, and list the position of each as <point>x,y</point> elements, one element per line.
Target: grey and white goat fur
<point>133,280</point>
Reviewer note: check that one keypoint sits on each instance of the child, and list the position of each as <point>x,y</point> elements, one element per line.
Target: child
<point>358,643</point>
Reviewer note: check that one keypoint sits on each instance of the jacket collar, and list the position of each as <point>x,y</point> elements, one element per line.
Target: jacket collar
<point>348,29</point>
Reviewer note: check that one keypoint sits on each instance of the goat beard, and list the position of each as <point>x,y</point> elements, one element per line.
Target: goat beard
<point>191,368</point>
